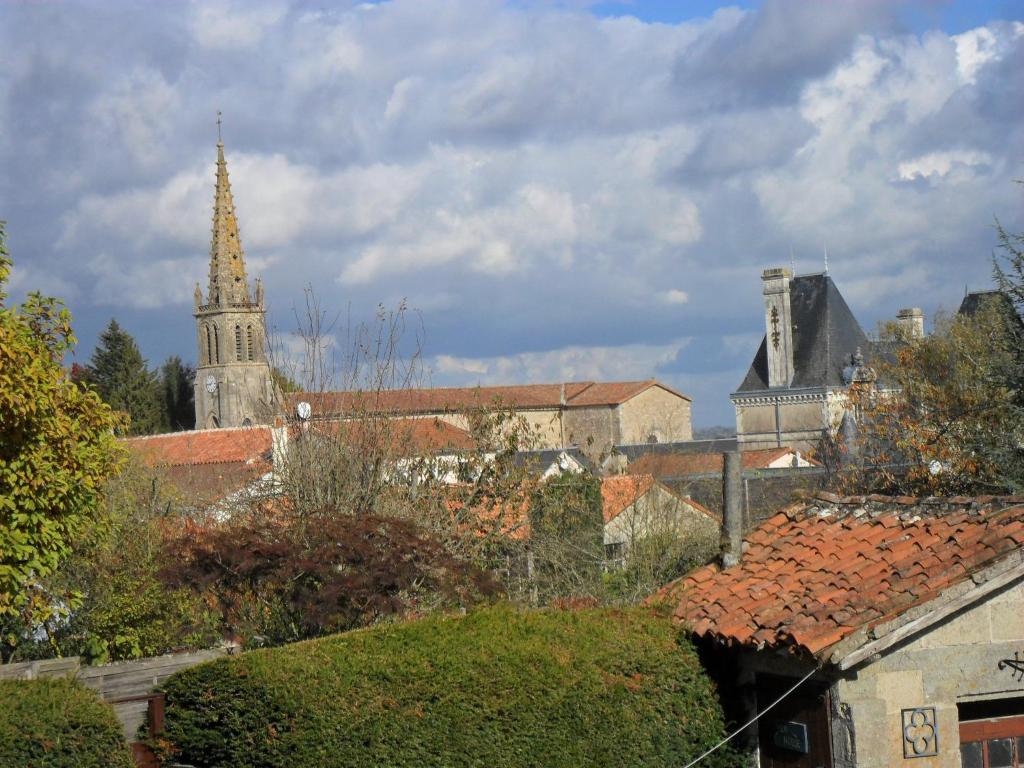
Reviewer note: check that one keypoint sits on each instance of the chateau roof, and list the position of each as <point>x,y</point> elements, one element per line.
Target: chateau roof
<point>853,571</point>
<point>825,335</point>
<point>437,400</point>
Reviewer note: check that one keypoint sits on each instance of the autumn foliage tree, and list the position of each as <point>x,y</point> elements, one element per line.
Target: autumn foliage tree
<point>946,416</point>
<point>277,579</point>
<point>56,446</point>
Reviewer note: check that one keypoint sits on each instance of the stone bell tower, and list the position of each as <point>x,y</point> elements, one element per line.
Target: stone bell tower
<point>233,384</point>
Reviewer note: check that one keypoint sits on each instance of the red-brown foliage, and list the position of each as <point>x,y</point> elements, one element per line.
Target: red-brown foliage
<point>276,581</point>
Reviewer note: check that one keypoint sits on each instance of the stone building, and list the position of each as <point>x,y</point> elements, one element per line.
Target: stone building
<point>636,507</point>
<point>233,384</point>
<point>813,349</point>
<point>886,631</point>
<point>591,415</point>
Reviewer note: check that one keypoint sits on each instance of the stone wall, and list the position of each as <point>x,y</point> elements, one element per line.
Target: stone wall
<point>957,661</point>
<point>654,413</point>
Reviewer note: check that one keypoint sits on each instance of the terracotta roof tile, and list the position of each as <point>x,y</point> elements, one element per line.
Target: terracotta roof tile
<point>618,492</point>
<point>816,574</point>
<point>204,446</point>
<point>440,399</point>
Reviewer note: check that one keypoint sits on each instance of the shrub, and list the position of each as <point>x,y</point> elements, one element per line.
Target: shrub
<point>498,687</point>
<point>57,723</point>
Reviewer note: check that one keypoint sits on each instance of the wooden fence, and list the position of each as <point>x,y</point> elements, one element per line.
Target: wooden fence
<point>128,686</point>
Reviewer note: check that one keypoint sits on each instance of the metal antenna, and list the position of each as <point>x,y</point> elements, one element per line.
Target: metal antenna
<point>826,257</point>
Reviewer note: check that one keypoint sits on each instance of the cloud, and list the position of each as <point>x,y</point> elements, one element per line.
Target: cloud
<point>675,296</point>
<point>559,193</point>
<point>227,26</point>
<point>575,363</point>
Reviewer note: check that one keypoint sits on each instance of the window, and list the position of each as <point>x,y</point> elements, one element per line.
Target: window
<point>238,343</point>
<point>216,345</point>
<point>992,734</point>
<point>209,346</point>
<point>248,343</point>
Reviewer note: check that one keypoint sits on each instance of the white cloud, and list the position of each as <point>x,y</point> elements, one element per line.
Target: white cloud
<point>218,24</point>
<point>573,363</point>
<point>974,49</point>
<point>675,296</point>
<point>941,163</point>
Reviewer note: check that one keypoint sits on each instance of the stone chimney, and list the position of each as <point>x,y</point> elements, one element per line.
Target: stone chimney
<point>778,321</point>
<point>732,508</point>
<point>910,322</point>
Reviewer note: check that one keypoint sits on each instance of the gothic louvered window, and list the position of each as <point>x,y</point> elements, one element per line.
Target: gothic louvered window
<point>216,345</point>
<point>249,348</point>
<point>238,343</point>
<point>209,346</point>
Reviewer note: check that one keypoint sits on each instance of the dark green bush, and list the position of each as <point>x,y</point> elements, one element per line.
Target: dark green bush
<point>497,688</point>
<point>57,723</point>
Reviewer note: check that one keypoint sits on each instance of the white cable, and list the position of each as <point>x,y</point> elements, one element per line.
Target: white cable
<point>752,720</point>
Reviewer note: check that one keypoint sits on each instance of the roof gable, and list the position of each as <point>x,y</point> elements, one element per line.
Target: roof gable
<point>822,571</point>
<point>825,335</point>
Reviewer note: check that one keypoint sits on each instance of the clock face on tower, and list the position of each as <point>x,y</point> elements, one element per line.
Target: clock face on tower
<point>211,384</point>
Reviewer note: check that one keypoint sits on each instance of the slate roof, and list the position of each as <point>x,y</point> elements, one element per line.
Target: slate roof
<point>680,464</point>
<point>577,394</point>
<point>821,570</point>
<point>542,459</point>
<point>974,300</point>
<point>717,445</point>
<point>825,335</point>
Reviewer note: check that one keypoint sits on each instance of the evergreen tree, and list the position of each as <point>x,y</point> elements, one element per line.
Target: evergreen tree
<point>118,373</point>
<point>178,399</point>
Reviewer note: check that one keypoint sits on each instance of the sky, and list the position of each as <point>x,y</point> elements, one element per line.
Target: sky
<point>558,190</point>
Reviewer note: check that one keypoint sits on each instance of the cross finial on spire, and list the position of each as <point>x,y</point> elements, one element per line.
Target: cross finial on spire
<point>219,141</point>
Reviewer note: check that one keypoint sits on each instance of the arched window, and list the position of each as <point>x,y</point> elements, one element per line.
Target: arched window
<point>238,343</point>
<point>249,347</point>
<point>216,345</point>
<point>209,347</point>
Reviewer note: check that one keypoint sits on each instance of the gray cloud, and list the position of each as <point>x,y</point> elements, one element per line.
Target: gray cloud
<point>560,194</point>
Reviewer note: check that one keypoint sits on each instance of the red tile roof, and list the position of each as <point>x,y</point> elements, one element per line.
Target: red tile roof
<point>421,435</point>
<point>620,491</point>
<point>204,446</point>
<point>819,571</point>
<point>678,464</point>
<point>437,400</point>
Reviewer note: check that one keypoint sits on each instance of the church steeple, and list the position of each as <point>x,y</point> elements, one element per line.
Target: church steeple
<point>233,385</point>
<point>228,283</point>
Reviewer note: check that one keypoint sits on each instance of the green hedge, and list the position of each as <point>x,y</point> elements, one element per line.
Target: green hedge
<point>57,723</point>
<point>497,688</point>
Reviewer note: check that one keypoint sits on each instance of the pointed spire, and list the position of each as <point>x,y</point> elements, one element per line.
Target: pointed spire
<point>228,283</point>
